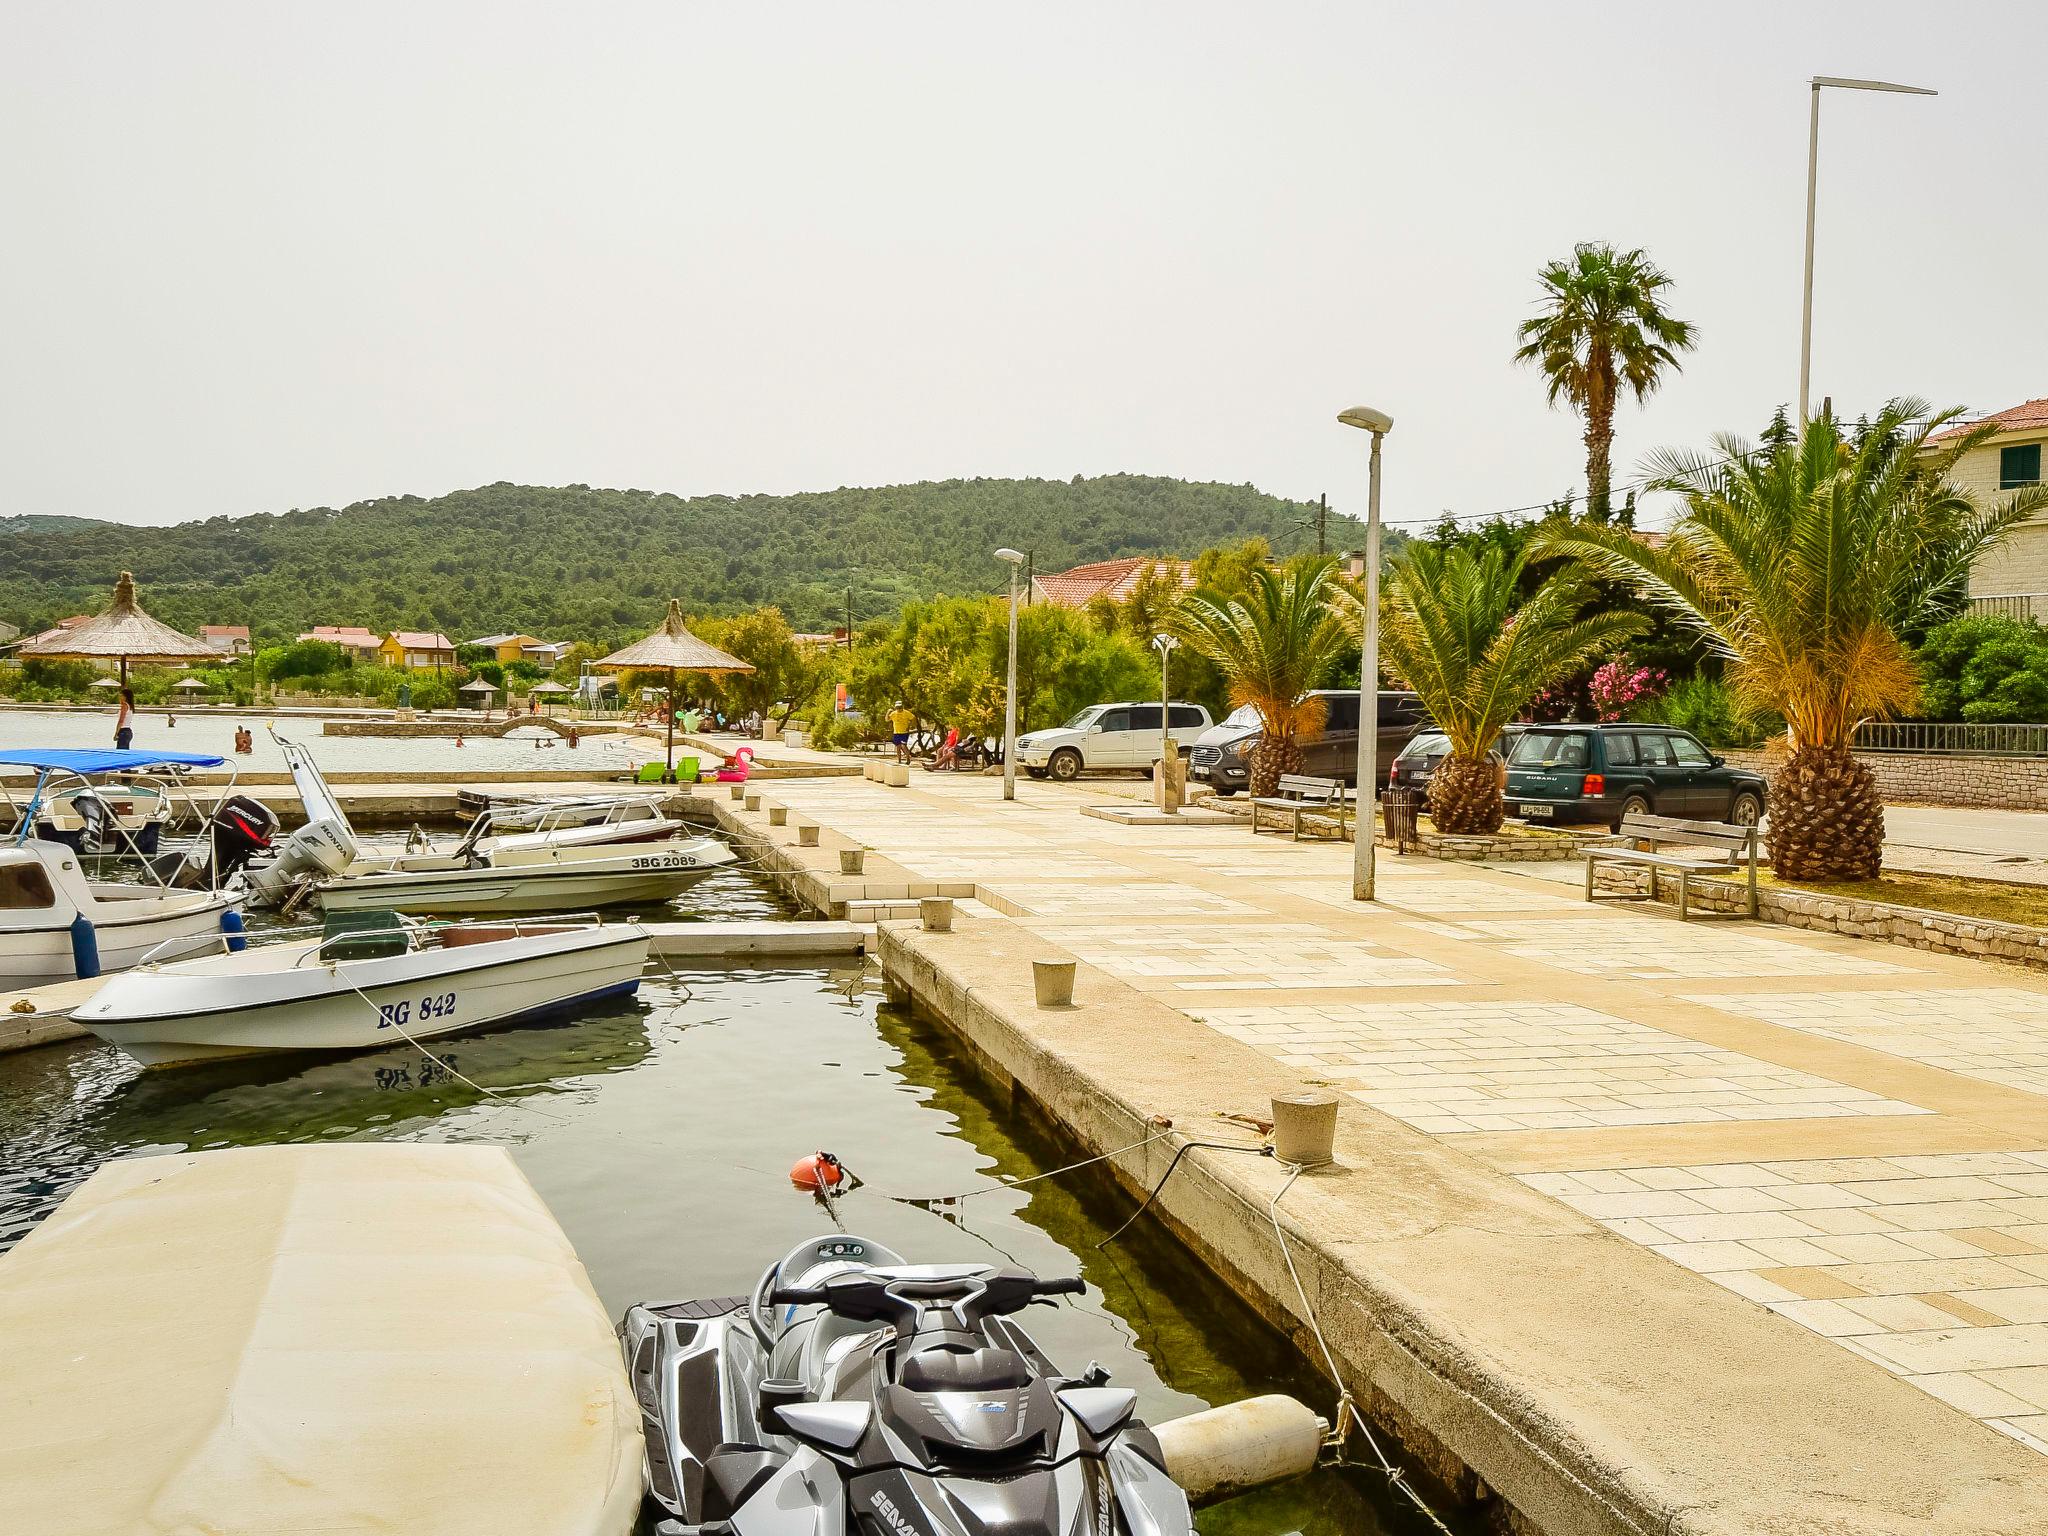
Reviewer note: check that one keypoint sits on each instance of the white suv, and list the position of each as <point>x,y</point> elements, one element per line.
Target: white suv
<point>1108,736</point>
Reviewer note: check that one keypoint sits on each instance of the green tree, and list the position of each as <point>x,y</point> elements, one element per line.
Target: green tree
<point>786,675</point>
<point>1802,564</point>
<point>1273,644</point>
<point>1600,330</point>
<point>1456,628</point>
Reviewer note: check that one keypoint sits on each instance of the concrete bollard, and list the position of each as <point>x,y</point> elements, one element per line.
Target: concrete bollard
<point>753,802</point>
<point>897,775</point>
<point>1240,1445</point>
<point>936,912</point>
<point>738,791</point>
<point>1305,1127</point>
<point>1053,981</point>
<point>778,815</point>
<point>871,771</point>
<point>851,859</point>
<point>807,835</point>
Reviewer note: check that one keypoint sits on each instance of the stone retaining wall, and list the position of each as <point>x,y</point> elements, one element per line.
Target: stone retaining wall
<point>1505,847</point>
<point>1913,927</point>
<point>1926,778</point>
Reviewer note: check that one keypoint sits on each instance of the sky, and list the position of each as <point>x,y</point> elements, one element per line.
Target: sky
<point>256,257</point>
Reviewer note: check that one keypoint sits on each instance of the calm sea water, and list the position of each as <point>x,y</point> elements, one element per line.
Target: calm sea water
<point>660,1132</point>
<point>205,732</point>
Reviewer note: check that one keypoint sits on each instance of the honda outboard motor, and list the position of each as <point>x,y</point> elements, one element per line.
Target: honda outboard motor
<point>317,850</point>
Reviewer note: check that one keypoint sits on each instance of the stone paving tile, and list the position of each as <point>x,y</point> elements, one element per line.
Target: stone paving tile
<point>1131,898</point>
<point>1613,944</point>
<point>1239,957</point>
<point>1947,1288</point>
<point>1455,1067</point>
<point>1998,1034</point>
<point>1440,897</point>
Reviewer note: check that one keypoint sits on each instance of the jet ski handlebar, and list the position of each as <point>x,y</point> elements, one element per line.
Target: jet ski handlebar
<point>875,1298</point>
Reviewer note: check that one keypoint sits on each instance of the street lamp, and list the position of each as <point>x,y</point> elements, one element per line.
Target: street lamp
<point>1812,178</point>
<point>1013,558</point>
<point>1169,801</point>
<point>1379,424</point>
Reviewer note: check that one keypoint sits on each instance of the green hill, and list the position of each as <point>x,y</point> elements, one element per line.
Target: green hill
<point>572,562</point>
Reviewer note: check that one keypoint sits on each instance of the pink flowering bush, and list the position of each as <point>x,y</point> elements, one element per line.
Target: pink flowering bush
<point>1620,688</point>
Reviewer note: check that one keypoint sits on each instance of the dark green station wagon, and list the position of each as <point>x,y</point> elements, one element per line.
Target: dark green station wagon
<point>1605,772</point>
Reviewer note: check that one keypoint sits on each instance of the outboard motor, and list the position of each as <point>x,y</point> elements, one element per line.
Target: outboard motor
<point>318,849</point>
<point>239,829</point>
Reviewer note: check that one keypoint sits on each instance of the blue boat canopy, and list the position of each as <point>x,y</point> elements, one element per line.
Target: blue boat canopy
<point>96,760</point>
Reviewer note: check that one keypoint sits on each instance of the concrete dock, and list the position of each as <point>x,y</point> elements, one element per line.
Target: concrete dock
<point>1636,1226</point>
<point>377,1337</point>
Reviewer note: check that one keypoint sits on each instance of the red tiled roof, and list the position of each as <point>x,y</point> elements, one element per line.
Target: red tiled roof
<point>422,640</point>
<point>1113,579</point>
<point>225,631</point>
<point>2029,416</point>
<point>341,634</point>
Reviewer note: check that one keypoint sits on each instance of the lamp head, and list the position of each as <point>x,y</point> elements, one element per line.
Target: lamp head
<point>1367,418</point>
<point>1013,556</point>
<point>1165,642</point>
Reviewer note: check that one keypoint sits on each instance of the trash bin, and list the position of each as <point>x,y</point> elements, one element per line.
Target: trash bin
<point>1400,806</point>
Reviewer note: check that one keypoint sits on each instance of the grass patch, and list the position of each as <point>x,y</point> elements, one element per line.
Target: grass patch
<point>1993,900</point>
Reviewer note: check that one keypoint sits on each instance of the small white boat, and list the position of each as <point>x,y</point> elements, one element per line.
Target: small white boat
<point>322,863</point>
<point>628,816</point>
<point>55,924</point>
<point>363,988</point>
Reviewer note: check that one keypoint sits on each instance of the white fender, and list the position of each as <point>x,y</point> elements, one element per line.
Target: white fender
<point>1241,1445</point>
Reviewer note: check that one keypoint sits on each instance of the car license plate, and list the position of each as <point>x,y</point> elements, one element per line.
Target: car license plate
<point>1538,812</point>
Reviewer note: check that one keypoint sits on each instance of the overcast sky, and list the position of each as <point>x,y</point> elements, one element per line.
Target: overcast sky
<point>258,256</point>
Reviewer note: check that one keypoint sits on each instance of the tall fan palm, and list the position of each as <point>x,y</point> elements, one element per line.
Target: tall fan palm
<point>1800,562</point>
<point>1272,644</point>
<point>1451,627</point>
<point>1600,329</point>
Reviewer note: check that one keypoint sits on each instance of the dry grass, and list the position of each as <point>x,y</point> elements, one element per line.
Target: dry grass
<point>1992,900</point>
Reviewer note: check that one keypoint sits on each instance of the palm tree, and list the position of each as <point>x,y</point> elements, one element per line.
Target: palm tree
<point>1800,561</point>
<point>1450,626</point>
<point>1599,330</point>
<point>1273,643</point>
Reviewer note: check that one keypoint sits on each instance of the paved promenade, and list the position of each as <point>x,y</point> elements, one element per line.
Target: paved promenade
<point>1850,1135</point>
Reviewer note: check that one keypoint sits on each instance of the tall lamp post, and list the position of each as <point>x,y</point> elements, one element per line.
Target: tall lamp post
<point>1013,558</point>
<point>1169,801</point>
<point>1812,181</point>
<point>1379,424</point>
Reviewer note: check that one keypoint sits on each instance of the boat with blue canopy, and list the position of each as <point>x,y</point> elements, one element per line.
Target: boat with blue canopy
<point>99,800</point>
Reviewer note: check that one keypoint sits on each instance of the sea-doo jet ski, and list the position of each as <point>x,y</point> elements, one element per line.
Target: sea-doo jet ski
<point>854,1394</point>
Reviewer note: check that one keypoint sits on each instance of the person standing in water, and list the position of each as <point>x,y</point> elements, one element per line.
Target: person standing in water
<point>124,728</point>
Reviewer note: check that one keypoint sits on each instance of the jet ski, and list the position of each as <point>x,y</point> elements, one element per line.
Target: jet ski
<point>855,1394</point>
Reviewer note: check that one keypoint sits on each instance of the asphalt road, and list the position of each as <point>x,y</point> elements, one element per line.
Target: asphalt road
<point>2003,845</point>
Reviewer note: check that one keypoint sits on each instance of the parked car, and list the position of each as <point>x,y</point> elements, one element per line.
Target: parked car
<point>1602,773</point>
<point>1226,766</point>
<point>1108,736</point>
<point>1415,764</point>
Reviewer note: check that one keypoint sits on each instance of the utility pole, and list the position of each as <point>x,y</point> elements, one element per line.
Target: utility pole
<point>849,613</point>
<point>1322,525</point>
<point>1030,571</point>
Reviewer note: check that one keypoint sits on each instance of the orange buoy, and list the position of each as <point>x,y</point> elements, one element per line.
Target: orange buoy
<point>820,1171</point>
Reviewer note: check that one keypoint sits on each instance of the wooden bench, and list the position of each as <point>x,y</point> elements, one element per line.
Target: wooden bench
<point>1302,799</point>
<point>1660,843</point>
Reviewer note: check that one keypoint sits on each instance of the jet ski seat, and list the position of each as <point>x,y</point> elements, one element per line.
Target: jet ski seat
<point>947,1369</point>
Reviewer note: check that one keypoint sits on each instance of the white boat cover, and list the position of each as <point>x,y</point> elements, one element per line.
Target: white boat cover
<point>282,1340</point>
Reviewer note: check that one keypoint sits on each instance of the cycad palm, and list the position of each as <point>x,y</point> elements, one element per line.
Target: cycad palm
<point>1451,627</point>
<point>1273,645</point>
<point>1800,562</point>
<point>1601,330</point>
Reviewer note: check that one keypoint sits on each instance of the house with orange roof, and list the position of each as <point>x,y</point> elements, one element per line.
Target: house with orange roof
<point>357,642</point>
<point>416,650</point>
<point>1114,580</point>
<point>2013,577</point>
<point>228,639</point>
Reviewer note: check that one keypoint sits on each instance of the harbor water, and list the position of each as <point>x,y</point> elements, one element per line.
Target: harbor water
<point>660,1130</point>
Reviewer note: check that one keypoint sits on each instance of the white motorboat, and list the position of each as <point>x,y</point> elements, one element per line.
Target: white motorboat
<point>58,923</point>
<point>55,924</point>
<point>106,802</point>
<point>363,988</point>
<point>323,863</point>
<point>628,816</point>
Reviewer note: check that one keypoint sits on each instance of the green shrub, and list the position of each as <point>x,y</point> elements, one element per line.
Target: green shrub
<point>1986,669</point>
<point>1708,708</point>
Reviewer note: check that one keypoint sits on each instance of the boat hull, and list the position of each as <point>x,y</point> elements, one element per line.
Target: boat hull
<point>210,1009</point>
<point>642,876</point>
<point>35,956</point>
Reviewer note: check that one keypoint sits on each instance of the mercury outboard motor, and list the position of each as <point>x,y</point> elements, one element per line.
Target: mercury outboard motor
<point>239,829</point>
<point>857,1393</point>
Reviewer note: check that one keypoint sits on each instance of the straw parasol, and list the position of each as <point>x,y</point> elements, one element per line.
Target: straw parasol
<point>123,631</point>
<point>548,689</point>
<point>103,682</point>
<point>673,648</point>
<point>189,684</point>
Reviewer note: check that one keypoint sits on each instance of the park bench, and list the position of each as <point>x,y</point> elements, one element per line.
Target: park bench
<point>1303,800</point>
<point>1667,843</point>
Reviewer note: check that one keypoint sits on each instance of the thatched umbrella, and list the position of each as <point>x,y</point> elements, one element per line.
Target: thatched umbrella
<point>674,648</point>
<point>103,682</point>
<point>189,685</point>
<point>549,688</point>
<point>483,686</point>
<point>123,631</point>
